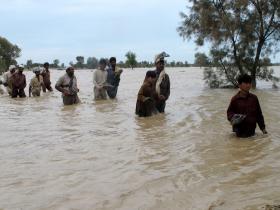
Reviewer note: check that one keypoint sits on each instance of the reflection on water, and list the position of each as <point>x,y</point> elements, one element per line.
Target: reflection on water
<point>100,155</point>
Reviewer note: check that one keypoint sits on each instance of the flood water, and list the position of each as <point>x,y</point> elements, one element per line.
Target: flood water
<point>100,156</point>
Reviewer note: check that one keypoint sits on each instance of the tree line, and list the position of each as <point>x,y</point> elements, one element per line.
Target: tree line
<point>10,52</point>
<point>92,63</point>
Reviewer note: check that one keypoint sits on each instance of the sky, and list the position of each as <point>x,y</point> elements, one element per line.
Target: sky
<point>63,29</point>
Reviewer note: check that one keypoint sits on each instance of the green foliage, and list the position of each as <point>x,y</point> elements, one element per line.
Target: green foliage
<point>242,34</point>
<point>56,63</point>
<point>201,60</point>
<point>8,53</point>
<point>131,59</point>
<point>29,64</point>
<point>80,62</point>
<point>92,63</point>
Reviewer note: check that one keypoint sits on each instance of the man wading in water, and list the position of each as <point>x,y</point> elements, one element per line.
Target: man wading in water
<point>36,83</point>
<point>47,78</point>
<point>113,77</point>
<point>18,81</point>
<point>162,82</point>
<point>7,76</point>
<point>244,110</point>
<point>67,84</point>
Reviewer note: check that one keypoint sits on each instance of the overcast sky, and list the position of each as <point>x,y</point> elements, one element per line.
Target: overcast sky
<point>63,29</point>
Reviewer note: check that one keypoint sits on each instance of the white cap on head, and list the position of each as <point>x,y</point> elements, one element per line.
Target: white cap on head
<point>161,56</point>
<point>11,67</point>
<point>21,66</point>
<point>36,69</point>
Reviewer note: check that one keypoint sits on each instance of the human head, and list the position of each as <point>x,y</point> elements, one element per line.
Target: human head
<point>46,65</point>
<point>102,63</point>
<point>37,70</point>
<point>245,82</point>
<point>12,68</point>
<point>159,60</point>
<point>70,71</point>
<point>113,61</point>
<point>20,68</point>
<point>150,76</point>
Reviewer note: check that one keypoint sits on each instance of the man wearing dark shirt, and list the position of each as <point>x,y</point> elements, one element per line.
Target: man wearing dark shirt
<point>247,105</point>
<point>113,78</point>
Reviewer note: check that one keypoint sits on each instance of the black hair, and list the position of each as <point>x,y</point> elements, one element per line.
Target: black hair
<point>102,61</point>
<point>46,64</point>
<point>112,59</point>
<point>151,74</point>
<point>244,78</point>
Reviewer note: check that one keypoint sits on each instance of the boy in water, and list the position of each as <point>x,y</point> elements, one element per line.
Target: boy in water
<point>99,80</point>
<point>146,99</point>
<point>247,105</point>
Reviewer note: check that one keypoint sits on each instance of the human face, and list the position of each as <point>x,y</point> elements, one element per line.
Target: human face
<point>113,63</point>
<point>70,72</point>
<point>102,66</point>
<point>160,65</point>
<point>151,79</point>
<point>245,87</point>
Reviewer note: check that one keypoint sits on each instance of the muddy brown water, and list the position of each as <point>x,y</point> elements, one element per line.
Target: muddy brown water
<point>100,156</point>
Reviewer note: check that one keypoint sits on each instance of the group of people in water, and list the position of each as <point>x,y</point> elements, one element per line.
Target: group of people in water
<point>244,110</point>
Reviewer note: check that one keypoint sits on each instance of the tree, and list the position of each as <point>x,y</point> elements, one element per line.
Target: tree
<point>8,53</point>
<point>241,33</point>
<point>92,63</point>
<point>29,64</point>
<point>56,63</point>
<point>201,60</point>
<point>131,59</point>
<point>172,63</point>
<point>80,61</point>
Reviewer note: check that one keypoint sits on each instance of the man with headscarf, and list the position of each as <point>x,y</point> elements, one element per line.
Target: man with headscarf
<point>67,85</point>
<point>47,77</point>
<point>36,83</point>
<point>113,77</point>
<point>100,80</point>
<point>18,81</point>
<point>7,78</point>
<point>162,82</point>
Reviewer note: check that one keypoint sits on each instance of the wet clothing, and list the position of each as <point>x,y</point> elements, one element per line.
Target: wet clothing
<point>69,84</point>
<point>47,80</point>
<point>69,100</point>
<point>18,81</point>
<point>247,105</point>
<point>164,90</point>
<point>99,81</point>
<point>36,85</point>
<point>145,105</point>
<point>7,82</point>
<point>113,78</point>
